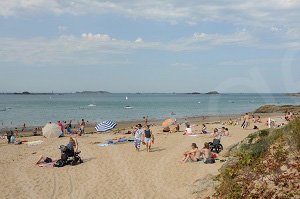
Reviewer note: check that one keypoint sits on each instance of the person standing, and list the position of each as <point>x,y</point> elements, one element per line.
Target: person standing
<point>61,126</point>
<point>148,138</point>
<point>82,126</point>
<point>138,137</point>
<point>246,121</point>
<point>145,120</point>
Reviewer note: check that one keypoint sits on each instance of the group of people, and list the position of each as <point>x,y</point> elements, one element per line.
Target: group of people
<point>68,150</point>
<point>196,154</point>
<point>143,136</point>
<point>67,127</point>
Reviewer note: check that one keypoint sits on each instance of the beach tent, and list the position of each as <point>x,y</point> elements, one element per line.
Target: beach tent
<point>51,130</point>
<point>168,122</point>
<point>105,126</point>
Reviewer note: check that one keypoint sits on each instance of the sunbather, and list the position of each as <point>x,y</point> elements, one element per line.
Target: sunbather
<point>206,154</point>
<point>188,130</point>
<point>193,154</point>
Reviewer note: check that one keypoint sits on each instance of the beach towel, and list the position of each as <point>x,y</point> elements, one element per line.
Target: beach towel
<point>104,144</point>
<point>193,135</point>
<point>33,143</point>
<point>49,164</point>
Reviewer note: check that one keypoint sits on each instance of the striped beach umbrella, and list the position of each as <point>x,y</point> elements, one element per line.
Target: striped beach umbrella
<point>105,126</point>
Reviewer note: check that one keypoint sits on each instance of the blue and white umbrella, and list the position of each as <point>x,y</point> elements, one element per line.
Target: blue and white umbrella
<point>105,126</point>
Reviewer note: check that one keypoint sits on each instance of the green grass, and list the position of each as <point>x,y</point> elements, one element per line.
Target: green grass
<point>236,179</point>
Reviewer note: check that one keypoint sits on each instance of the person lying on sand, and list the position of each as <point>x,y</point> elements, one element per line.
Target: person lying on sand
<point>193,154</point>
<point>44,160</point>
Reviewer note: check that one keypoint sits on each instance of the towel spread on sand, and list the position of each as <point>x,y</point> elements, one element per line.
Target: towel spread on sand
<point>193,135</point>
<point>104,144</point>
<point>33,143</point>
<point>50,164</point>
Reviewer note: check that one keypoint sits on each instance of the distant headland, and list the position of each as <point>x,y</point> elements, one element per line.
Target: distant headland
<point>208,93</point>
<point>53,93</point>
<point>294,94</point>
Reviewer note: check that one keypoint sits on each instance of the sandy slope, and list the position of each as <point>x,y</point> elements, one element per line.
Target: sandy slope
<point>116,171</point>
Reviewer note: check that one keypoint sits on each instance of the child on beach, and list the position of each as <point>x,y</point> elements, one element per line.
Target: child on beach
<point>138,137</point>
<point>148,137</point>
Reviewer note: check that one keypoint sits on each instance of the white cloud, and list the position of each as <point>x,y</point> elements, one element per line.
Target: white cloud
<point>92,48</point>
<point>97,37</point>
<point>139,40</point>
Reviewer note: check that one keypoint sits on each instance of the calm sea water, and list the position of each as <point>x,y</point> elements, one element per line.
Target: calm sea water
<point>39,109</point>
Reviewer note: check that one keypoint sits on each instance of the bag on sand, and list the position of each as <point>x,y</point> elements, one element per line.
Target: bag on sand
<point>59,163</point>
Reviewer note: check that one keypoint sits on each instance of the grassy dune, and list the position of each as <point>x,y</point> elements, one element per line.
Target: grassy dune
<point>266,164</point>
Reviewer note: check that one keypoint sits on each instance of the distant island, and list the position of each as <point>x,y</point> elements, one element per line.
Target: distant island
<point>212,93</point>
<point>92,92</point>
<point>52,93</point>
<point>193,93</point>
<point>294,94</point>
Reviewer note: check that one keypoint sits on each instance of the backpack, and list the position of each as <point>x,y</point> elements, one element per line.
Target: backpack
<point>59,163</point>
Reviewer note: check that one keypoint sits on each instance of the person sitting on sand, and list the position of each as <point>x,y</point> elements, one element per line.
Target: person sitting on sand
<point>9,134</point>
<point>226,132</point>
<point>188,130</point>
<point>204,129</point>
<point>72,146</point>
<point>148,137</point>
<point>206,154</point>
<point>217,137</point>
<point>35,132</point>
<point>138,137</point>
<point>166,129</point>
<point>193,154</point>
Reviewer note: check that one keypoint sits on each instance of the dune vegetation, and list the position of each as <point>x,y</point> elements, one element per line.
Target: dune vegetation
<point>266,164</point>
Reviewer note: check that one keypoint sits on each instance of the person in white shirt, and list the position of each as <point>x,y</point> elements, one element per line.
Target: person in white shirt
<point>188,130</point>
<point>138,137</point>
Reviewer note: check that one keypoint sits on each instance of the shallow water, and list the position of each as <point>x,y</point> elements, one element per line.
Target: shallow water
<point>39,109</point>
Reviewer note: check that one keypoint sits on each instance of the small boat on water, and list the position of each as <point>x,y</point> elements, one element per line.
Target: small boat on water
<point>128,107</point>
<point>91,105</point>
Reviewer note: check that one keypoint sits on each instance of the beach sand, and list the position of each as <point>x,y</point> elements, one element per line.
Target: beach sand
<point>115,171</point>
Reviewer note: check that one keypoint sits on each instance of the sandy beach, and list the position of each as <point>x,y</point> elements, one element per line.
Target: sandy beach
<point>115,171</point>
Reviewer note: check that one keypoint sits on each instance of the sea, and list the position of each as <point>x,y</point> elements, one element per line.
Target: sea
<point>36,110</point>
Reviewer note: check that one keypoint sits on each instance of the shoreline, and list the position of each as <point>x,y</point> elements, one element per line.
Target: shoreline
<point>124,125</point>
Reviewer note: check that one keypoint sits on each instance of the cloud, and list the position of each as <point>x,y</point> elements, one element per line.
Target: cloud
<point>139,40</point>
<point>94,48</point>
<point>97,37</point>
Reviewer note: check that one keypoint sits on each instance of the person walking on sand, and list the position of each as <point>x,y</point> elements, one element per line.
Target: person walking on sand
<point>82,126</point>
<point>146,120</point>
<point>246,121</point>
<point>138,137</point>
<point>148,138</point>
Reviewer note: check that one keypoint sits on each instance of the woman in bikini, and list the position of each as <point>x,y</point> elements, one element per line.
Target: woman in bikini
<point>193,154</point>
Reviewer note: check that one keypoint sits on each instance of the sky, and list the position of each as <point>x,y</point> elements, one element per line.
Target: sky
<point>150,46</point>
